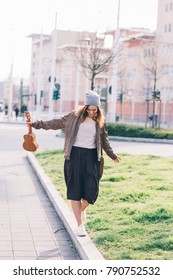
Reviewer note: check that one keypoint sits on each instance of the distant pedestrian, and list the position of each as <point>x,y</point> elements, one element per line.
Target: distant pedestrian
<point>16,112</point>
<point>23,109</point>
<point>6,109</point>
<point>85,134</point>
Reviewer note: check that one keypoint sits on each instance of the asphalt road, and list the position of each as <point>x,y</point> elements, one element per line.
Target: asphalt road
<point>11,138</point>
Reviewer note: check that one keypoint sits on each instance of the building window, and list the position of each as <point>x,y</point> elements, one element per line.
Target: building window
<point>152,51</point>
<point>169,27</point>
<point>171,70</point>
<point>171,6</point>
<point>145,53</point>
<point>166,8</point>
<point>149,52</point>
<point>165,28</point>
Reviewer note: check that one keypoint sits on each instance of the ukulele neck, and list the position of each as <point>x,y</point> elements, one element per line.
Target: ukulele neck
<point>27,114</point>
<point>30,130</point>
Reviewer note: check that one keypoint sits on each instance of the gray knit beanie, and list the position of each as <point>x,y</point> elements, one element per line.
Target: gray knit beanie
<point>92,98</point>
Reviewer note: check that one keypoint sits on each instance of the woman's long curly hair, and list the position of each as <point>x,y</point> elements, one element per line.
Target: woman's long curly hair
<point>98,117</point>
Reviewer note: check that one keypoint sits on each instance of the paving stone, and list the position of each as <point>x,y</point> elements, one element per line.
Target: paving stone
<point>28,220</point>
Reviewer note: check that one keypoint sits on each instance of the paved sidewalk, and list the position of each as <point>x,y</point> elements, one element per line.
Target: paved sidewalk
<point>35,222</point>
<point>29,225</point>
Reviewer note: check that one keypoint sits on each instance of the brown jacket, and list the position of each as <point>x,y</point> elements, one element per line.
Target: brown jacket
<point>71,124</point>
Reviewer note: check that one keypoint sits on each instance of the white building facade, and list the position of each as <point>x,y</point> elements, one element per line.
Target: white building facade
<point>145,64</point>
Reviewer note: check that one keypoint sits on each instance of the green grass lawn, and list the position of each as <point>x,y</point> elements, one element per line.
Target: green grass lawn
<point>133,216</point>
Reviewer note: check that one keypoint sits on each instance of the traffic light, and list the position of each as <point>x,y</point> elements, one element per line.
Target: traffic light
<point>120,97</point>
<point>103,96</point>
<point>150,117</point>
<point>35,99</point>
<point>56,92</point>
<point>41,93</point>
<point>156,94</point>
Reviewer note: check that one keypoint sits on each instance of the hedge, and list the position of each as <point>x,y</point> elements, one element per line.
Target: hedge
<point>125,130</point>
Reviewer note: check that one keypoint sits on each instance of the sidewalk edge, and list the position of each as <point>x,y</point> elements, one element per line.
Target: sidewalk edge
<point>143,140</point>
<point>84,245</point>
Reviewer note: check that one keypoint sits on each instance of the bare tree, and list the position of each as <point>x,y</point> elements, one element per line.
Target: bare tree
<point>93,57</point>
<point>153,62</point>
<point>154,67</point>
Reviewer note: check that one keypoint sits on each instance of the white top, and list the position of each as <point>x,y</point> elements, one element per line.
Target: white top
<point>86,136</point>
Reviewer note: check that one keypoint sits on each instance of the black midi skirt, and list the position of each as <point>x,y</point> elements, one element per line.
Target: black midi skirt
<point>81,174</point>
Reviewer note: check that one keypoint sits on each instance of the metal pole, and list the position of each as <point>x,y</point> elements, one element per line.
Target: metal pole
<point>21,95</point>
<point>39,76</point>
<point>10,96</point>
<point>160,112</point>
<point>53,60</point>
<point>88,49</point>
<point>115,70</point>
<point>153,119</point>
<point>77,84</point>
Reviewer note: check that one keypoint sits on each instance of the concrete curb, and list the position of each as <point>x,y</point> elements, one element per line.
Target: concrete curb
<point>84,245</point>
<point>143,140</point>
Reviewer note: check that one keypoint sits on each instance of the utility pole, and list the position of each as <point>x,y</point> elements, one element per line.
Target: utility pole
<point>77,84</point>
<point>21,94</point>
<point>39,76</point>
<point>88,49</point>
<point>115,70</point>
<point>53,60</point>
<point>10,94</point>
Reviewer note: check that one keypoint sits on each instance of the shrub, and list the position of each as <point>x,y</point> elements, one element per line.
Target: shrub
<point>125,130</point>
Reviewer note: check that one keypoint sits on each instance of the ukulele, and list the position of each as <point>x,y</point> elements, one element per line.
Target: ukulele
<point>30,143</point>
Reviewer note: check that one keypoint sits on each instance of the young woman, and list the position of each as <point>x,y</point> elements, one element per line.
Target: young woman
<point>85,134</point>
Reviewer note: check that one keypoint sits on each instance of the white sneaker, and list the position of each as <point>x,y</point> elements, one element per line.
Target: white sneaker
<point>81,230</point>
<point>83,216</point>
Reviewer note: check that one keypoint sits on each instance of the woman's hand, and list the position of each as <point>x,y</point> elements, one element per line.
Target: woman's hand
<point>117,160</point>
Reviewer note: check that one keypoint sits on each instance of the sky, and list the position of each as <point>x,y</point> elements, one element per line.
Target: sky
<point>19,18</point>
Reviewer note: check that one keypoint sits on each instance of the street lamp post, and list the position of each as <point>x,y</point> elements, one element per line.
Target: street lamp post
<point>53,60</point>
<point>88,49</point>
<point>77,84</point>
<point>115,70</point>
<point>10,96</point>
<point>39,75</point>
